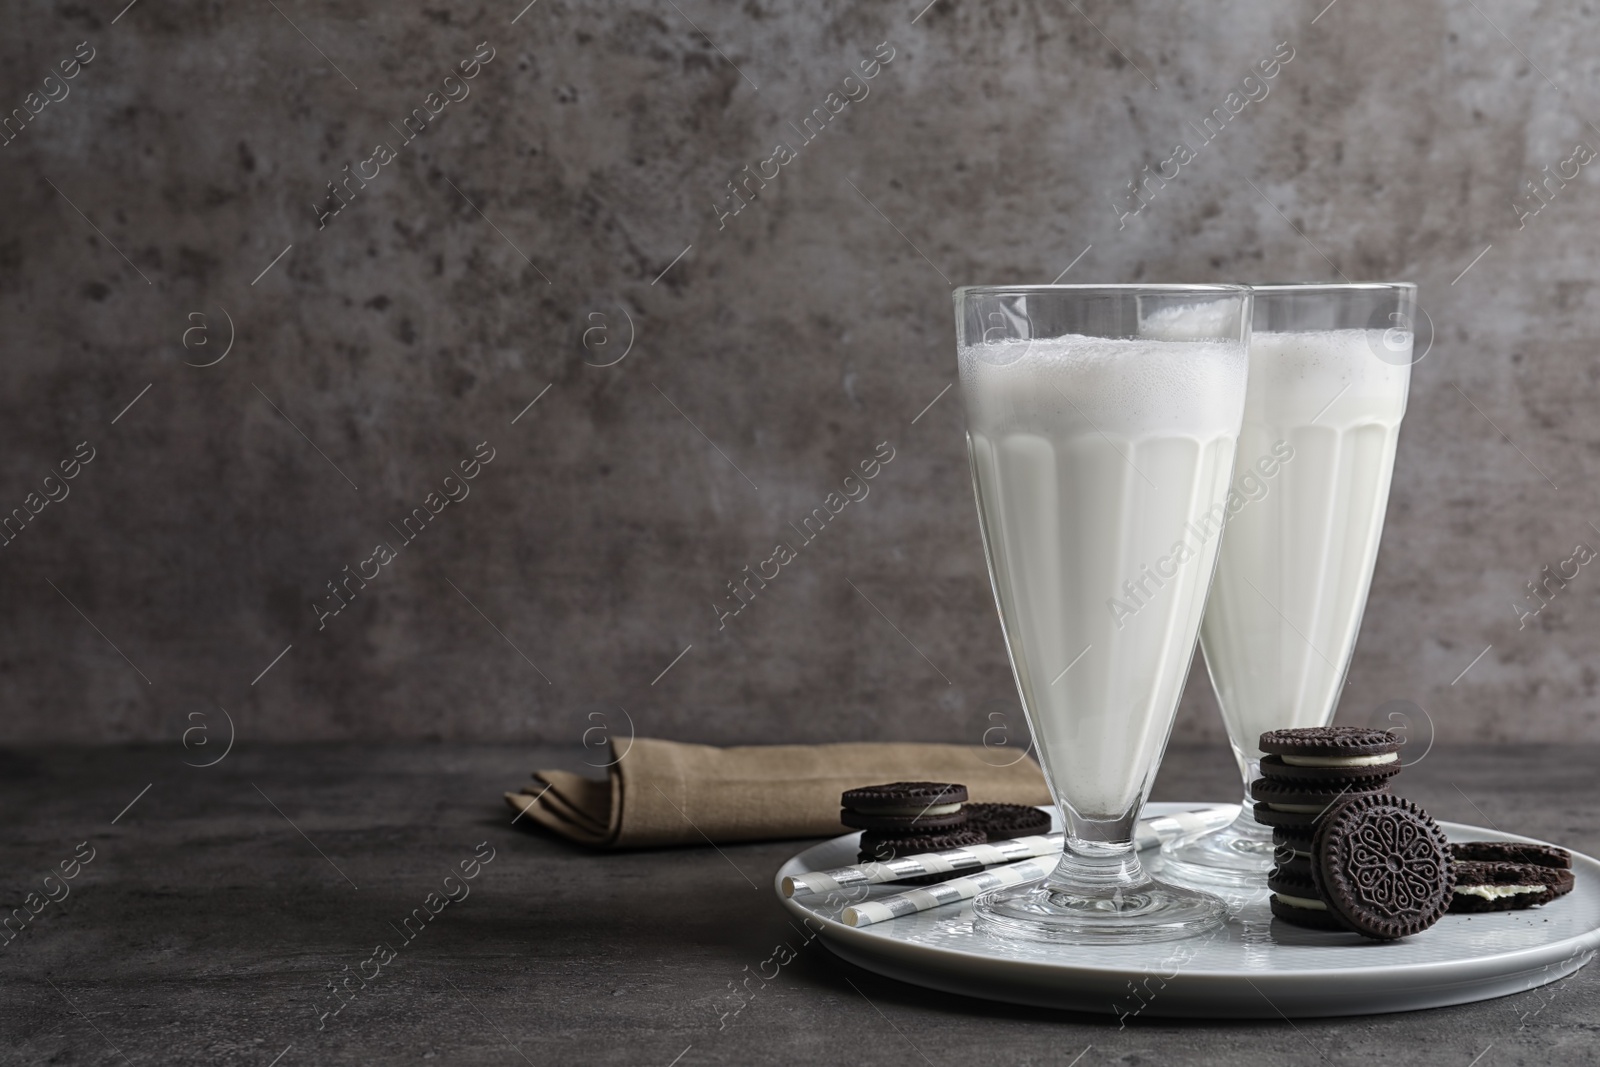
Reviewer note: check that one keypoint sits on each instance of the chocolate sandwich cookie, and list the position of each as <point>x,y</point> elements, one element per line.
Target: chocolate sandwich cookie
<point>1316,798</point>
<point>1382,865</point>
<point>1512,852</point>
<point>880,847</point>
<point>1295,900</point>
<point>1298,805</point>
<point>1485,885</point>
<point>1357,775</point>
<point>1002,822</point>
<point>1297,839</point>
<point>1292,846</point>
<point>1267,815</point>
<point>1349,750</point>
<point>906,807</point>
<point>1292,864</point>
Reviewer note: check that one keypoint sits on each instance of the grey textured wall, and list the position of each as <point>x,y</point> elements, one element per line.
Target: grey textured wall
<point>568,205</point>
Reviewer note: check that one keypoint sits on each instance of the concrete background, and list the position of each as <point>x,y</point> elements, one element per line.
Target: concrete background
<point>576,189</point>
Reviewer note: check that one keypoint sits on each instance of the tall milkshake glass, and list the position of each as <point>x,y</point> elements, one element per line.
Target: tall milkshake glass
<point>1101,423</point>
<point>1330,367</point>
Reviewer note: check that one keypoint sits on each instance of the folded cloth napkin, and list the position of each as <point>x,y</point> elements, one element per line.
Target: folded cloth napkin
<point>667,793</point>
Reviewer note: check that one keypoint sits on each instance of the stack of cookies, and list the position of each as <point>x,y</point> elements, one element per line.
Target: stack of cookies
<point>902,818</point>
<point>1351,855</point>
<point>908,818</point>
<point>1305,772</point>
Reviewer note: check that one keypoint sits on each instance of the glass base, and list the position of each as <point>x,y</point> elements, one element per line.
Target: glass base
<point>1239,854</point>
<point>1097,894</point>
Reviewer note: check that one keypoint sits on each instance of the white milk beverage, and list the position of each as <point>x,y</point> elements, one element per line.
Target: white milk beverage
<point>1099,466</point>
<point>1321,421</point>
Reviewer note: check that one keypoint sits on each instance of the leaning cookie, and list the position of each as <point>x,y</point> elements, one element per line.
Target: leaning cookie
<point>1489,886</point>
<point>1512,852</point>
<point>1002,822</point>
<point>1383,866</point>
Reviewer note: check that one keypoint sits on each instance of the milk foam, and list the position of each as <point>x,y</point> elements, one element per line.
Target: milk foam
<point>1134,387</point>
<point>1295,376</point>
<point>1190,322</point>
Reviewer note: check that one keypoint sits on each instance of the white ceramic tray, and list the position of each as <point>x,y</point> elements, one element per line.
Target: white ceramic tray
<point>1253,967</point>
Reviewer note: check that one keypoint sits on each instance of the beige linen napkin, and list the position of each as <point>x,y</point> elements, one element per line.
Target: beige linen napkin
<point>668,793</point>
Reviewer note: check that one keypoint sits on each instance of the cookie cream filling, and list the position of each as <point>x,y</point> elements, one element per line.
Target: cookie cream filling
<point>1301,902</point>
<point>932,809</point>
<point>1341,761</point>
<point>1495,892</point>
<point>1299,809</point>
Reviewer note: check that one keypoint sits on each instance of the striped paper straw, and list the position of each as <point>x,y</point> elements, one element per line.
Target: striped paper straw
<point>948,862</point>
<point>951,891</point>
<point>1148,833</point>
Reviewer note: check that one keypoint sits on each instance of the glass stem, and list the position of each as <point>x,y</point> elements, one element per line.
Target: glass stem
<point>1093,867</point>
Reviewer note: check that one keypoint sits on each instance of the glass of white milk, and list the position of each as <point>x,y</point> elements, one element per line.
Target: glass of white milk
<point>1101,427</point>
<point>1330,368</point>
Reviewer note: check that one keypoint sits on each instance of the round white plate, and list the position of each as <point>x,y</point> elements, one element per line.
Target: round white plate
<point>1252,967</point>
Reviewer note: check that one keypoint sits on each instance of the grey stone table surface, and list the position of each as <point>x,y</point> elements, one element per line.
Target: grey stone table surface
<point>221,902</point>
